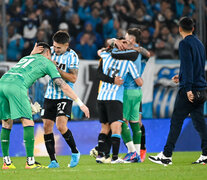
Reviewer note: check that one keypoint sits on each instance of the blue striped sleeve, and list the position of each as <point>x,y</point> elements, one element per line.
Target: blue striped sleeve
<point>133,70</point>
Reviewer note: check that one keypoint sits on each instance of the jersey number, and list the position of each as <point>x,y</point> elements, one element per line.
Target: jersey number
<point>24,63</point>
<point>114,71</point>
<point>61,106</point>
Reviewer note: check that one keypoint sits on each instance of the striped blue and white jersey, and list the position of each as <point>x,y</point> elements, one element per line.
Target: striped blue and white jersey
<point>112,68</point>
<point>68,60</point>
<point>130,83</point>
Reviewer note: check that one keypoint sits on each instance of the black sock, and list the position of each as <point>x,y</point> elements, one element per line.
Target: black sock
<point>101,144</point>
<point>143,143</point>
<point>50,145</point>
<point>115,147</point>
<point>70,141</point>
<point>108,145</point>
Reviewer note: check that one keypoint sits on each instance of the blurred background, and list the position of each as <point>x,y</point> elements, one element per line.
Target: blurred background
<point>90,23</point>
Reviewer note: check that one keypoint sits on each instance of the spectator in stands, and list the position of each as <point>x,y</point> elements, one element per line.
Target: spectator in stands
<point>184,8</point>
<point>148,42</point>
<point>164,44</point>
<point>87,48</point>
<point>29,31</point>
<point>137,18</point>
<point>41,36</point>
<point>75,25</point>
<point>160,17</point>
<point>88,28</point>
<point>15,44</point>
<point>176,38</point>
<point>93,16</point>
<point>108,18</point>
<point>108,30</point>
<point>47,28</point>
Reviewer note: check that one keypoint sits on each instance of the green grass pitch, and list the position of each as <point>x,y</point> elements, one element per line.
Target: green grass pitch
<point>88,169</point>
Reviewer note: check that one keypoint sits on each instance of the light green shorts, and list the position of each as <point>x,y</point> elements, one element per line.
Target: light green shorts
<point>132,100</point>
<point>14,101</point>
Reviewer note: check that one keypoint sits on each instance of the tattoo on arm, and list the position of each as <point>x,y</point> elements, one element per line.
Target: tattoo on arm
<point>60,82</point>
<point>144,52</point>
<point>74,71</point>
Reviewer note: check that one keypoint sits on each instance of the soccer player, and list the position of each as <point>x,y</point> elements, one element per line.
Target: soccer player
<point>15,103</point>
<point>191,95</point>
<point>132,96</point>
<point>110,103</point>
<point>57,107</point>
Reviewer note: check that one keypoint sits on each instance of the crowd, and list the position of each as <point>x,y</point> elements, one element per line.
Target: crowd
<point>91,22</point>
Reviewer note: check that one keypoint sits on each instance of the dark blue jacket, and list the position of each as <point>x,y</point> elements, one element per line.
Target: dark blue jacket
<point>192,66</point>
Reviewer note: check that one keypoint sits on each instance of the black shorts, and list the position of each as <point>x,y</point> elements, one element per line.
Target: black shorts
<point>56,107</point>
<point>110,111</point>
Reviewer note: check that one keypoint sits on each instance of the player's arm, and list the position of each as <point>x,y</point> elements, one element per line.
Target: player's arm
<point>70,93</point>
<point>131,54</point>
<point>125,55</point>
<point>37,49</point>
<point>142,51</point>
<point>139,81</point>
<point>71,76</point>
<point>103,77</point>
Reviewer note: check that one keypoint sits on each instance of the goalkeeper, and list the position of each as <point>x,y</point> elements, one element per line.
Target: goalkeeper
<point>15,103</point>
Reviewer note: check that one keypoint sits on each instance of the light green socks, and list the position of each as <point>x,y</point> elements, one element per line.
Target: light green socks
<point>29,140</point>
<point>5,139</point>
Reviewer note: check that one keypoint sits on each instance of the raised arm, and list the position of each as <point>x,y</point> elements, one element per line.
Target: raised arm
<point>70,93</point>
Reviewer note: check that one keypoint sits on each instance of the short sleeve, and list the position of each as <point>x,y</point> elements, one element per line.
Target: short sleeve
<point>74,61</point>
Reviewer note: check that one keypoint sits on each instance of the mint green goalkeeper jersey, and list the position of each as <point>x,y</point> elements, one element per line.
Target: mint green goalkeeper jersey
<point>29,69</point>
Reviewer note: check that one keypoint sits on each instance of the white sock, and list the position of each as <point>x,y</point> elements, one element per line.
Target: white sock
<point>7,160</point>
<point>137,147</point>
<point>130,146</point>
<point>30,160</point>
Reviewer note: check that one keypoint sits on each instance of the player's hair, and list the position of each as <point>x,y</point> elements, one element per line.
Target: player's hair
<point>45,46</point>
<point>136,32</point>
<point>186,23</point>
<point>61,37</point>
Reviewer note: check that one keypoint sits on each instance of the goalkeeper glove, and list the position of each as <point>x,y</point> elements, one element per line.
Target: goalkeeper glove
<point>35,108</point>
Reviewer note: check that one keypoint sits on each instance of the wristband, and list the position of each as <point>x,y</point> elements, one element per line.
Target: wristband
<point>79,102</point>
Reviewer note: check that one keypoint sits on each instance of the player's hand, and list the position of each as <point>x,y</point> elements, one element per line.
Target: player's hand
<point>190,96</point>
<point>121,44</point>
<point>37,49</point>
<point>85,109</point>
<point>118,80</point>
<point>35,108</point>
<point>175,79</point>
<point>140,122</point>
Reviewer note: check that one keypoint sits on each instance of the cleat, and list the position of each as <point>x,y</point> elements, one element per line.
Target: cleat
<point>8,166</point>
<point>127,157</point>
<point>74,160</point>
<point>36,165</point>
<point>94,153</point>
<point>161,159</point>
<point>100,159</point>
<point>118,161</point>
<point>143,154</point>
<point>132,157</point>
<point>107,160</point>
<point>53,164</point>
<point>201,160</point>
